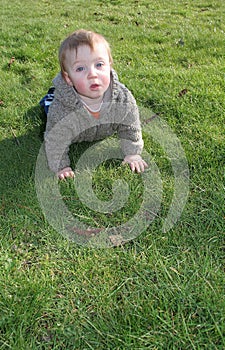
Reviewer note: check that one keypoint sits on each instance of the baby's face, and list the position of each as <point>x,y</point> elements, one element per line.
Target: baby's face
<point>88,70</point>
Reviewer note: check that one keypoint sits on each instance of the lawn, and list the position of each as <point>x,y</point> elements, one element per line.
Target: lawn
<point>164,289</point>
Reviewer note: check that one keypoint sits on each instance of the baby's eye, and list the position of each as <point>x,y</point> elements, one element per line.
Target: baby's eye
<point>79,69</point>
<point>99,64</point>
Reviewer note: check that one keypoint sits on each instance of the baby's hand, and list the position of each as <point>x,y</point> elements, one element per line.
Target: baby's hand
<point>64,173</point>
<point>135,162</point>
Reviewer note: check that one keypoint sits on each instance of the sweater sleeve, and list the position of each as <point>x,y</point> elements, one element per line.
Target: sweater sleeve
<point>58,137</point>
<point>129,130</point>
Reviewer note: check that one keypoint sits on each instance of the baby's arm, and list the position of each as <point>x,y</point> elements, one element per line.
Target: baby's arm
<point>135,162</point>
<point>58,137</point>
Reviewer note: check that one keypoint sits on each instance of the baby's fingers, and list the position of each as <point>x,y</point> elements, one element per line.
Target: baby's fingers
<point>143,165</point>
<point>135,166</point>
<point>132,166</point>
<point>139,166</point>
<point>65,174</point>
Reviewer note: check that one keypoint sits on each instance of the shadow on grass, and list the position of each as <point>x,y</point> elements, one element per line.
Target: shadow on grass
<point>19,153</point>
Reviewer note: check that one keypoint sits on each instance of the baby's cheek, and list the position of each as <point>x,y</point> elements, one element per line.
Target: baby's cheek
<point>105,80</point>
<point>80,86</point>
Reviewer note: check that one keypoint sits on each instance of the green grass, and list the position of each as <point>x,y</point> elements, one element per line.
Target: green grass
<point>163,290</point>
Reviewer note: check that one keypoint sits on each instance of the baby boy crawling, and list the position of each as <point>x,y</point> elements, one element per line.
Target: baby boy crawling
<point>90,104</point>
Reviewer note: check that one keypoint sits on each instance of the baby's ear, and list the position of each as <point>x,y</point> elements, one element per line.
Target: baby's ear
<point>67,78</point>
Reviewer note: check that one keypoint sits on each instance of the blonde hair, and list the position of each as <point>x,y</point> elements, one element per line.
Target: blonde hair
<point>78,38</point>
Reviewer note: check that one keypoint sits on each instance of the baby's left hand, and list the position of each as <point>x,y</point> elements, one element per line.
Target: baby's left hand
<point>135,162</point>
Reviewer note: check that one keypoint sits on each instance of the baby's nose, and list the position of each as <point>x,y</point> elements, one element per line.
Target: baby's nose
<point>92,72</point>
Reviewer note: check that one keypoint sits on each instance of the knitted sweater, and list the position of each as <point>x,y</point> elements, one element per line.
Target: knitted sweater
<point>68,121</point>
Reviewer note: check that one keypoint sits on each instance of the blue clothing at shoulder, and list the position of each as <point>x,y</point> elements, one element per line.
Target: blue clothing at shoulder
<point>47,99</point>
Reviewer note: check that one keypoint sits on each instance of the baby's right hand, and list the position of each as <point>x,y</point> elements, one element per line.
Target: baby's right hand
<point>64,173</point>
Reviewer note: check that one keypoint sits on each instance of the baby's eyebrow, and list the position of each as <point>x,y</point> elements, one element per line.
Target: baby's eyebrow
<point>78,62</point>
<point>100,59</point>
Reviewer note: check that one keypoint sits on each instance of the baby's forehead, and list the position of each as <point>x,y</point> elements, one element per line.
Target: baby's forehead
<point>85,50</point>
<point>96,45</point>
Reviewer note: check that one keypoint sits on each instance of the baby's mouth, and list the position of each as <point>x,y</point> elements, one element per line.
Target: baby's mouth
<point>94,86</point>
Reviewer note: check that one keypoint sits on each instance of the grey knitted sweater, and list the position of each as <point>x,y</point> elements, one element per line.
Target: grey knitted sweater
<point>68,121</point>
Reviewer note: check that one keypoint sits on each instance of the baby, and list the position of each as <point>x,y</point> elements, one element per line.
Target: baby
<point>90,104</point>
